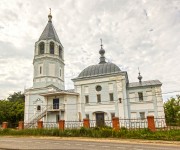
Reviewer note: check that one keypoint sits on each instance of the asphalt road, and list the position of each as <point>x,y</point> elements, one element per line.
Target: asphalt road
<point>75,144</point>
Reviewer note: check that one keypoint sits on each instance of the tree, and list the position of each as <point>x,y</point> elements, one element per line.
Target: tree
<point>172,110</point>
<point>16,96</point>
<point>12,109</point>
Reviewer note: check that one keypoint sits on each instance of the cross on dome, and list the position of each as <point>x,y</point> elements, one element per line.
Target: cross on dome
<point>102,52</point>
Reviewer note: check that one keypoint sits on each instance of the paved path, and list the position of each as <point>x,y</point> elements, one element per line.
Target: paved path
<point>82,144</point>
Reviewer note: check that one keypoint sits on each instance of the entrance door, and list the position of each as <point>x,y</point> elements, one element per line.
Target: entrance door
<point>99,119</point>
<point>56,103</point>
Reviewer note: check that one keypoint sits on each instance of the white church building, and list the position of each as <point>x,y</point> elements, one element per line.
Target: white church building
<point>101,91</point>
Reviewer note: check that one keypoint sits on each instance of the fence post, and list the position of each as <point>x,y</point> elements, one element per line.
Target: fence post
<point>21,125</point>
<point>151,123</point>
<point>61,124</point>
<point>40,124</point>
<point>115,123</point>
<point>5,125</point>
<point>86,123</point>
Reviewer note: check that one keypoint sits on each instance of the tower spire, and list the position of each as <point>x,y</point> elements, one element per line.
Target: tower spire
<point>139,77</point>
<point>102,52</point>
<point>50,16</point>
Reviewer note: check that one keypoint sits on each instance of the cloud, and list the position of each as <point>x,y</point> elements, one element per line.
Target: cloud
<point>137,33</point>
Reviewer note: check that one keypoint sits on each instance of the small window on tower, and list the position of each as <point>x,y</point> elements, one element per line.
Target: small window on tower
<point>60,72</point>
<point>40,70</point>
<point>51,48</point>
<point>41,48</point>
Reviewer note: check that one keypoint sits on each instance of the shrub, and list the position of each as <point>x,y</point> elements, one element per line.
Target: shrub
<point>97,133</point>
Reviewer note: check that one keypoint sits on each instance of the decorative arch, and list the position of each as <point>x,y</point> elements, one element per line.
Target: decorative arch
<point>51,47</point>
<point>41,48</point>
<point>60,51</point>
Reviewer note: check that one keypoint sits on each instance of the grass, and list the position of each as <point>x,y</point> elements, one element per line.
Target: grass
<point>170,135</point>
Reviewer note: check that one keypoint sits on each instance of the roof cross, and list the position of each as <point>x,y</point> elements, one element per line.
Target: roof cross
<point>101,43</point>
<point>50,11</point>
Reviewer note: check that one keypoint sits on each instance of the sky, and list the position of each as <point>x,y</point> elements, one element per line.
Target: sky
<point>135,33</point>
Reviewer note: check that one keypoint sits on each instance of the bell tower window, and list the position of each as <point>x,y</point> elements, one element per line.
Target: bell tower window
<point>51,48</point>
<point>60,52</point>
<point>41,48</point>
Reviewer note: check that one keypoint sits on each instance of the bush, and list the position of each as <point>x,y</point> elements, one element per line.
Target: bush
<point>103,132</point>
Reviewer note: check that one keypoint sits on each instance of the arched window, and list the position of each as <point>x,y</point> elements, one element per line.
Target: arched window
<point>51,48</point>
<point>41,48</point>
<point>38,107</point>
<point>60,52</point>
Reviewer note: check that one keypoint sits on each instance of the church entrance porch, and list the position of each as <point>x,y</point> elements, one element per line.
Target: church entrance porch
<point>100,119</point>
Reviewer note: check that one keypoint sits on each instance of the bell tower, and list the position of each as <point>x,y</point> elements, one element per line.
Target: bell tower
<point>48,59</point>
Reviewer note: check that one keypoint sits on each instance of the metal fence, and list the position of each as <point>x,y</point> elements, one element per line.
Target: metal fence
<point>163,124</point>
<point>30,125</point>
<point>133,123</point>
<point>73,124</point>
<point>50,125</point>
<point>130,124</point>
<point>94,123</point>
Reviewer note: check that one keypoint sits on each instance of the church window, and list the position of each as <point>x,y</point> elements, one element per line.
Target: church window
<point>86,99</point>
<point>111,96</point>
<point>140,94</point>
<point>98,88</point>
<point>38,107</point>
<point>98,98</point>
<point>60,52</point>
<point>51,48</point>
<point>41,48</point>
<point>40,70</point>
